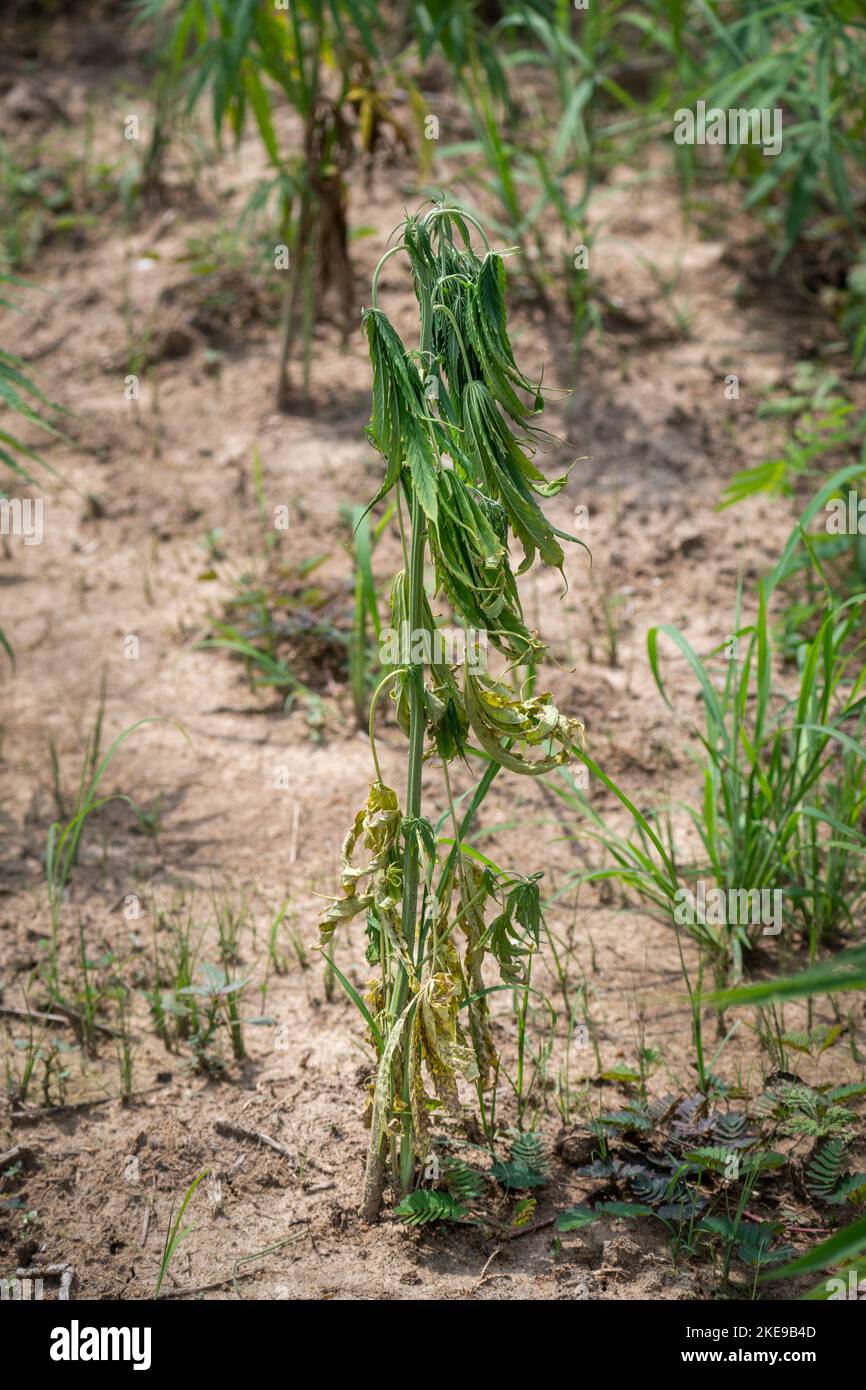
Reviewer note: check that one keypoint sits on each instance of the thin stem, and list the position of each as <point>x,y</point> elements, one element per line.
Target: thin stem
<point>464,216</point>
<point>379,688</point>
<point>480,793</point>
<point>415,675</point>
<point>378,271</point>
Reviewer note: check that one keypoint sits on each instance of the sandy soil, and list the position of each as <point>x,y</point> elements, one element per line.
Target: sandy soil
<point>123,556</point>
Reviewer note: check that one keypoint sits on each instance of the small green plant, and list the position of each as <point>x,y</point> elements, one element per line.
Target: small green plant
<point>64,837</point>
<point>527,1166</point>
<point>231,916</point>
<point>176,1232</point>
<point>822,426</point>
<point>20,395</point>
<point>37,1059</point>
<point>845,1250</point>
<point>48,192</point>
<point>425,1205</point>
<point>123,1042</point>
<point>173,970</point>
<point>83,998</point>
<point>820,421</point>
<point>288,630</point>
<point>828,1180</point>
<point>366,614</point>
<point>215,1005</point>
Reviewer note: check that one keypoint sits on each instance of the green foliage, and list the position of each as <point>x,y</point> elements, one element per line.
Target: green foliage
<point>540,167</point>
<point>287,628</point>
<point>841,1250</point>
<point>717,1158</point>
<point>176,1232</point>
<point>459,397</point>
<point>514,933</point>
<point>751,1241</point>
<point>527,1166</point>
<point>620,70</point>
<point>243,55</point>
<point>795,1108</point>
<point>846,970</point>
<point>424,1205</point>
<point>64,840</point>
<point>20,395</point>
<point>465,1183</point>
<point>575,1218</point>
<point>366,621</point>
<point>806,56</point>
<point>219,999</point>
<point>784,781</point>
<point>821,421</point>
<point>828,1180</point>
<point>47,193</point>
<point>630,1120</point>
<point>822,427</point>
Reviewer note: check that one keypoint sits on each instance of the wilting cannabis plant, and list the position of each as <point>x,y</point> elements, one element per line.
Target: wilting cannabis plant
<point>457,437</point>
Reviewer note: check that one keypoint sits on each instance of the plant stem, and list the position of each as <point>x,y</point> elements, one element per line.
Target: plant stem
<point>375,1172</point>
<point>412,812</point>
<point>302,266</point>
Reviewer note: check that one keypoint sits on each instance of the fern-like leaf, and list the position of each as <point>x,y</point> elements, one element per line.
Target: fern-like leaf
<point>466,1184</point>
<point>528,1163</point>
<point>825,1169</point>
<point>826,1180</point>
<point>529,1150</point>
<point>423,1206</point>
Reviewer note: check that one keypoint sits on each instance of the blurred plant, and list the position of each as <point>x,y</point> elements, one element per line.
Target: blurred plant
<point>243,54</point>
<point>216,999</point>
<point>806,58</point>
<point>540,158</point>
<point>49,192</point>
<point>366,617</point>
<point>290,632</point>
<point>15,388</point>
<point>820,421</point>
<point>822,426</point>
<point>845,1250</point>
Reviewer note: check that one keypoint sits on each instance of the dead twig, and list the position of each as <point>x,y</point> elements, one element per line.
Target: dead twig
<point>66,1272</point>
<point>232,1131</point>
<point>483,1275</point>
<point>68,1019</point>
<point>19,1153</point>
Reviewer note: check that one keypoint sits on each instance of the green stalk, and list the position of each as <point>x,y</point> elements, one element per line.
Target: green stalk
<point>413,781</point>
<point>374,1178</point>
